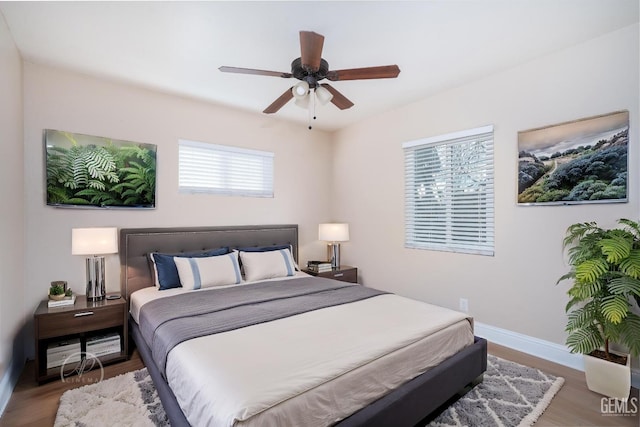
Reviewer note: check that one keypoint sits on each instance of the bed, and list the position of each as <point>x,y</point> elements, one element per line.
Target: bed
<point>401,400</point>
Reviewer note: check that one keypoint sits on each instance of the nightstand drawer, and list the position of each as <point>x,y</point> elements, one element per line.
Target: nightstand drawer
<point>73,322</point>
<point>345,273</point>
<point>350,275</point>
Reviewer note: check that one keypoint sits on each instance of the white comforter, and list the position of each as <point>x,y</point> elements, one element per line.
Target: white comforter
<point>315,368</point>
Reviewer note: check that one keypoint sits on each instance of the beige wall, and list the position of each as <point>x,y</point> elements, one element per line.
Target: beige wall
<point>356,176</point>
<point>11,208</point>
<point>515,289</point>
<point>57,99</point>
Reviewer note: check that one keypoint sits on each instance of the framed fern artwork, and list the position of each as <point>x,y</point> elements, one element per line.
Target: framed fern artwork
<point>95,172</point>
<point>583,161</point>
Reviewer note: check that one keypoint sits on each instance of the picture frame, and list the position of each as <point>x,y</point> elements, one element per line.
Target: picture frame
<point>85,171</point>
<point>576,162</point>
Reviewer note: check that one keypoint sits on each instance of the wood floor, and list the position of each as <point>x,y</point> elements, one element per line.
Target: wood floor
<point>574,405</point>
<point>33,405</point>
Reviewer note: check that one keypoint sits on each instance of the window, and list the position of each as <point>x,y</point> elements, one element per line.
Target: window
<point>220,169</point>
<point>449,192</point>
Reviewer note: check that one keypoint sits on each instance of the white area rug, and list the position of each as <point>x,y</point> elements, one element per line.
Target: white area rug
<point>511,395</point>
<point>126,400</point>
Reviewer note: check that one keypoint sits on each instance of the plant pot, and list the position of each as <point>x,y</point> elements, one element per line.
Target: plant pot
<point>56,297</point>
<point>608,378</point>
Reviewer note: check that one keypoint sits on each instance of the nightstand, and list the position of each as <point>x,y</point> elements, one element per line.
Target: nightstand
<point>85,320</point>
<point>345,273</point>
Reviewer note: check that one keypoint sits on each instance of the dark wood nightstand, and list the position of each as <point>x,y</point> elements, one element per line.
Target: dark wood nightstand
<point>345,273</point>
<point>83,320</point>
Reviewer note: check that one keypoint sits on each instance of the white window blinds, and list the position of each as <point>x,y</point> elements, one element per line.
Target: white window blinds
<point>221,169</point>
<point>449,192</point>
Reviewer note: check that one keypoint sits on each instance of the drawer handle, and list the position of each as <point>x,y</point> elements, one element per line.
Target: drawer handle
<point>338,275</point>
<point>84,313</point>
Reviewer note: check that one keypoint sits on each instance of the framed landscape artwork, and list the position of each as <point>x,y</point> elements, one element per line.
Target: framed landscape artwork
<point>584,161</point>
<point>87,171</point>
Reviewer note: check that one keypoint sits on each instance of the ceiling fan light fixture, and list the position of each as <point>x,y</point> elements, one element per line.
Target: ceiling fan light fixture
<point>323,95</point>
<point>300,90</point>
<point>302,102</point>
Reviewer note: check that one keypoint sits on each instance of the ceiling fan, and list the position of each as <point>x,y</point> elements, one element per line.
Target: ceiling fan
<point>310,69</point>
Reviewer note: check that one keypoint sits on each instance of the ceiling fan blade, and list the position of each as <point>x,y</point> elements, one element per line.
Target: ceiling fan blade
<point>382,72</point>
<point>226,69</point>
<point>311,50</point>
<point>339,100</point>
<point>280,102</point>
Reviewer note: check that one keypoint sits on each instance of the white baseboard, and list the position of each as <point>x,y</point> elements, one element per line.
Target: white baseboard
<point>8,383</point>
<point>536,347</point>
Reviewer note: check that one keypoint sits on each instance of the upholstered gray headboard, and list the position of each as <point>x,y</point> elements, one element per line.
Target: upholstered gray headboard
<point>136,243</point>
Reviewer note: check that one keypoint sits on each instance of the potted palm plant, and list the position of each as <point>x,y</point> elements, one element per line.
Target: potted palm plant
<point>605,270</point>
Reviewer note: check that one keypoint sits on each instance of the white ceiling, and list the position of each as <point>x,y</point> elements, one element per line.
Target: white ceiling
<point>177,47</point>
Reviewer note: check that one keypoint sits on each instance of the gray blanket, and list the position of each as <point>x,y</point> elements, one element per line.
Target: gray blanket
<point>166,322</point>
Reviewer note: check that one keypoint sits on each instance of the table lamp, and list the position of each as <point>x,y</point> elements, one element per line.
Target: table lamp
<point>95,242</point>
<point>334,233</point>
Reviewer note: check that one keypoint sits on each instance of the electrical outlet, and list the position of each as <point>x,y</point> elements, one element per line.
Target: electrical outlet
<point>464,305</point>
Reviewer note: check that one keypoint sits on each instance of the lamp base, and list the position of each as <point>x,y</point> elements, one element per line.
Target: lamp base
<point>333,253</point>
<point>96,289</point>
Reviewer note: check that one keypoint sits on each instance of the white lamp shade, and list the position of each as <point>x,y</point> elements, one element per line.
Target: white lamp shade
<point>94,241</point>
<point>302,102</point>
<point>323,95</point>
<point>300,89</point>
<point>333,232</point>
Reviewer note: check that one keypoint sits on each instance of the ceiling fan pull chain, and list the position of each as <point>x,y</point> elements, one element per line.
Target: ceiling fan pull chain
<point>312,108</point>
<point>314,104</point>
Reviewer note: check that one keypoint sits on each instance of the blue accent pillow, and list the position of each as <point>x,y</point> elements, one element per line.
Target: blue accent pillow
<point>166,272</point>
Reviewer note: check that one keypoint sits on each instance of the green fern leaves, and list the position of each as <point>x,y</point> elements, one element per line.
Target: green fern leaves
<point>88,166</point>
<point>104,175</point>
<point>138,182</point>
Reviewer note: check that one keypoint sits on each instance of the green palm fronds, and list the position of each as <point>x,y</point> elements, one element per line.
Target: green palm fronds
<point>625,285</point>
<point>630,331</point>
<point>585,340</point>
<point>616,248</point>
<point>631,265</point>
<point>591,270</point>
<point>605,278</point>
<point>615,308</point>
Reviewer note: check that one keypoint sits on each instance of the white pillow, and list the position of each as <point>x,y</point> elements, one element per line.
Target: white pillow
<point>267,265</point>
<point>196,273</point>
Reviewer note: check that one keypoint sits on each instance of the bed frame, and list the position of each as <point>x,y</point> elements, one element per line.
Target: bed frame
<point>408,405</point>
